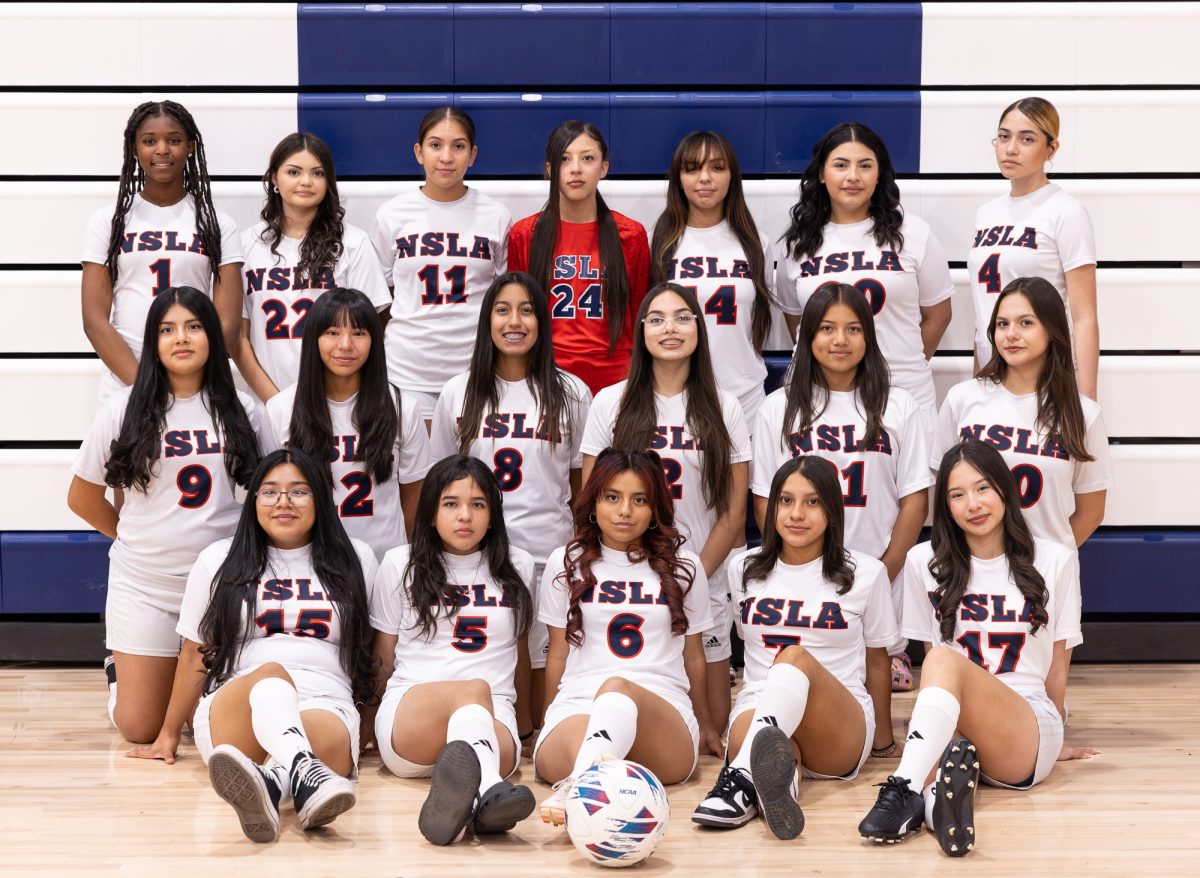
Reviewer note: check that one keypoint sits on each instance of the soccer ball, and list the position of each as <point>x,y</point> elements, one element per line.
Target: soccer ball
<point>617,813</point>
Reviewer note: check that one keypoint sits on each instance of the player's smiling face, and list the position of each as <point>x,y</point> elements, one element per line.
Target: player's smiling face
<point>182,343</point>
<point>344,349</point>
<point>301,181</point>
<point>1021,338</point>
<point>975,506</point>
<point>288,523</point>
<point>514,323</point>
<point>850,175</point>
<point>445,154</point>
<point>1022,148</point>
<point>623,511</point>
<point>162,149</point>
<point>839,345</point>
<point>705,182</point>
<point>676,336</point>
<point>583,167</point>
<point>800,521</point>
<point>463,517</point>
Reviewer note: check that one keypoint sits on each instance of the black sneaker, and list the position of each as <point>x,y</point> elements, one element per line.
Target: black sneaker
<point>954,798</point>
<point>252,791</point>
<point>731,802</point>
<point>318,794</point>
<point>502,807</point>
<point>110,669</point>
<point>898,812</point>
<point>773,768</point>
<point>451,801</point>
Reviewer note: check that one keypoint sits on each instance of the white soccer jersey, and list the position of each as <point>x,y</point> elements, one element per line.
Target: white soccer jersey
<point>1047,477</point>
<point>897,285</point>
<point>534,475</point>
<point>712,263</point>
<point>993,625</point>
<point>440,258</point>
<point>478,642</point>
<point>369,511</point>
<point>161,249</point>
<point>626,625</point>
<point>674,443</point>
<point>190,502</point>
<point>295,622</point>
<point>1044,234</point>
<point>874,479</point>
<point>276,304</point>
<point>796,605</point>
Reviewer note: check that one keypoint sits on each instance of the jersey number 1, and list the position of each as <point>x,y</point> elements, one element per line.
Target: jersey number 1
<point>456,276</point>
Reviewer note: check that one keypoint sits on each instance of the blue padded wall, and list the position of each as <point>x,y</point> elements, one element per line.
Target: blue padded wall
<point>796,120</point>
<point>1140,572</point>
<point>853,44</point>
<point>531,44</point>
<point>688,43</point>
<point>646,127</point>
<point>51,572</point>
<point>376,43</point>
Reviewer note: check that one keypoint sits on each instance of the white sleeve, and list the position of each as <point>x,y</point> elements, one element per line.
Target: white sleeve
<point>231,241</point>
<point>259,422</point>
<point>933,274</point>
<point>879,613</point>
<point>93,454</point>
<point>768,452</point>
<point>696,603</point>
<point>443,438</point>
<point>739,433</point>
<point>917,616</point>
<point>363,273</point>
<point>95,240</point>
<point>735,582</point>
<point>387,596</point>
<point>500,254</point>
<point>1094,475</point>
<point>277,426</point>
<point>581,408</point>
<point>1074,237</point>
<point>770,254</point>
<point>945,431</point>
<point>912,466</point>
<point>1067,601</point>
<point>598,433</point>
<point>413,459</point>
<point>381,241</point>
<point>785,288</point>
<point>198,590</point>
<point>553,599</point>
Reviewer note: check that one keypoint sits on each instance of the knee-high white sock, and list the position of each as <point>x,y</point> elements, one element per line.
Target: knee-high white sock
<point>473,723</point>
<point>112,704</point>
<point>611,729</point>
<point>781,704</point>
<point>934,719</point>
<point>275,718</point>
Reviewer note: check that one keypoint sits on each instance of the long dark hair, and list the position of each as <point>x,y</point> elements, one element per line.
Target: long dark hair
<point>440,114</point>
<point>659,546</point>
<point>698,147</point>
<point>376,414</point>
<point>195,184</point>
<point>228,621</point>
<point>1059,410</point>
<point>951,561</point>
<point>836,564</point>
<point>322,244</point>
<point>551,390</point>
<point>810,214</point>
<point>425,581</point>
<point>636,419</point>
<point>135,451</point>
<point>615,293</point>
<point>872,382</point>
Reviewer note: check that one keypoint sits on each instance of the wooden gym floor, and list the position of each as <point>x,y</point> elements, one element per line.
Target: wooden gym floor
<point>71,804</point>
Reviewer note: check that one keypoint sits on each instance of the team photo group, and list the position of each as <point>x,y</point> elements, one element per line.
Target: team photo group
<point>482,491</point>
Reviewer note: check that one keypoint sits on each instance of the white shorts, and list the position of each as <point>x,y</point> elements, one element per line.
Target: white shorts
<point>539,635</point>
<point>140,617</point>
<point>748,700</point>
<point>1050,741</point>
<point>718,643</point>
<point>425,401</point>
<point>306,684</point>
<point>580,704</point>
<point>385,719</point>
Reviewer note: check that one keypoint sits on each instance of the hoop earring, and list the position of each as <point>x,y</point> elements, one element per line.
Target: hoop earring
<point>592,517</point>
<point>274,188</point>
<point>653,526</point>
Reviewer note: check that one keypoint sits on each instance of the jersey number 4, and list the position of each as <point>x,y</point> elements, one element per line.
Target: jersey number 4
<point>722,304</point>
<point>989,273</point>
<point>565,303</point>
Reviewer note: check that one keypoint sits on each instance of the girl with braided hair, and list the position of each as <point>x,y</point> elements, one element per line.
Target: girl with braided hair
<point>162,232</point>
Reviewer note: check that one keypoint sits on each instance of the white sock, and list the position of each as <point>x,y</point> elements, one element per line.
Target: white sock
<point>781,705</point>
<point>112,704</point>
<point>275,718</point>
<point>928,796</point>
<point>611,729</point>
<point>934,719</point>
<point>473,723</point>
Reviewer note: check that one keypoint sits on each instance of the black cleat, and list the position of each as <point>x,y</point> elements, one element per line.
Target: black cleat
<point>451,801</point>
<point>252,791</point>
<point>773,769</point>
<point>898,812</point>
<point>732,802</point>
<point>318,794</point>
<point>502,807</point>
<point>954,797</point>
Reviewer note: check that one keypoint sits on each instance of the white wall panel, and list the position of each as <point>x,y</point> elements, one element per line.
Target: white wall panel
<point>42,313</point>
<point>123,44</point>
<point>48,400</point>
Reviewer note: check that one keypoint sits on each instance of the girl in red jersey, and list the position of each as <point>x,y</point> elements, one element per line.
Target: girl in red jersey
<point>594,262</point>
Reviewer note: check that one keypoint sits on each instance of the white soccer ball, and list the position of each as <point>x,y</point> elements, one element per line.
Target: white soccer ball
<point>617,813</point>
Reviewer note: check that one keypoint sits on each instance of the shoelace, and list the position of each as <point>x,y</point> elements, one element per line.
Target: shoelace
<point>891,796</point>
<point>314,774</point>
<point>732,780</point>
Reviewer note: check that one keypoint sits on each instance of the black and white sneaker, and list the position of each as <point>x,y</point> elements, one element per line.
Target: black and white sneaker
<point>253,792</point>
<point>451,801</point>
<point>502,807</point>
<point>954,797</point>
<point>898,812</point>
<point>319,794</point>
<point>731,802</point>
<point>110,669</point>
<point>773,767</point>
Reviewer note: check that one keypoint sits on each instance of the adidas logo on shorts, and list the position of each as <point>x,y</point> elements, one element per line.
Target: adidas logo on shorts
<point>712,642</point>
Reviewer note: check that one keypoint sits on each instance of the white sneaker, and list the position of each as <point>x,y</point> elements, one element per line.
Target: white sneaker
<point>732,802</point>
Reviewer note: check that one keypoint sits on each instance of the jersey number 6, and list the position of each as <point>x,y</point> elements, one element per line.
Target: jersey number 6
<point>625,635</point>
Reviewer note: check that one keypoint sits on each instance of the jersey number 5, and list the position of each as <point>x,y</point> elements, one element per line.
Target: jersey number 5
<point>470,634</point>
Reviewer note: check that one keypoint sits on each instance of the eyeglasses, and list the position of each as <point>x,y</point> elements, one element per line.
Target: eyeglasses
<point>679,321</point>
<point>297,496</point>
